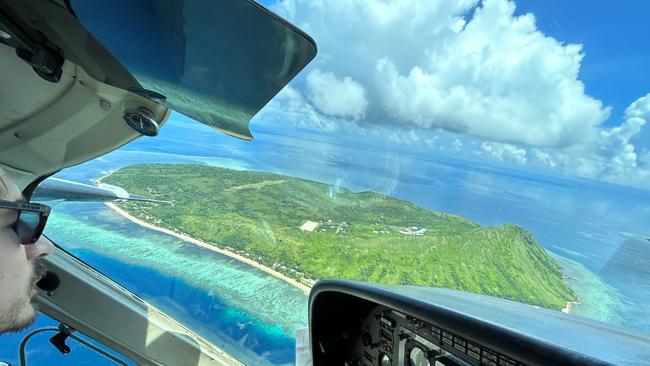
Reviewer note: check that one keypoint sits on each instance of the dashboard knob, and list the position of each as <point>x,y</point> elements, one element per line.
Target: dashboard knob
<point>384,360</point>
<point>418,357</point>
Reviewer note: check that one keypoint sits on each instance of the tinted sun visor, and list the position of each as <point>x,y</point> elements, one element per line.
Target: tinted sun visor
<point>218,62</point>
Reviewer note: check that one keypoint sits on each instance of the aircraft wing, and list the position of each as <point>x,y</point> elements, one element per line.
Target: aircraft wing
<point>56,189</point>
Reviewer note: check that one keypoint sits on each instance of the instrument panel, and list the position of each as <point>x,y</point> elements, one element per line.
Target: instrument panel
<point>363,324</point>
<point>391,338</point>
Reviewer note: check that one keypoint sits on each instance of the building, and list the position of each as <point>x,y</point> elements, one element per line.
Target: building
<point>309,226</point>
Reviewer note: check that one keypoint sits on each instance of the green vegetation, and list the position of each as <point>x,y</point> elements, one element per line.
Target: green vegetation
<point>363,236</point>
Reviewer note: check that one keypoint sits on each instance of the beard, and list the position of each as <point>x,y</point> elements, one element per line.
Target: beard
<point>22,314</point>
<point>39,272</point>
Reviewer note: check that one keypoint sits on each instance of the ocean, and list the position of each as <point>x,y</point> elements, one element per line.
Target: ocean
<point>595,230</point>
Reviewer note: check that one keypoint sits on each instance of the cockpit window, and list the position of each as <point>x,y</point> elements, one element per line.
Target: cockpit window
<point>217,62</point>
<point>495,147</point>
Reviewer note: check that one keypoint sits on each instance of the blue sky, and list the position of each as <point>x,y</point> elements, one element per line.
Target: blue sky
<point>556,86</point>
<point>614,35</point>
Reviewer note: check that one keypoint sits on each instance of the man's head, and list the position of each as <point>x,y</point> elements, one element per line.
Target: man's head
<point>19,271</point>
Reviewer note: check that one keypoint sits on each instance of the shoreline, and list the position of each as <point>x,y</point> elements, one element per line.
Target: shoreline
<point>304,288</point>
<point>98,181</point>
<point>596,300</point>
<point>569,306</point>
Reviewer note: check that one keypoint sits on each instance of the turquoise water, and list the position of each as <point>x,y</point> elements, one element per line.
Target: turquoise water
<point>250,314</point>
<point>597,300</point>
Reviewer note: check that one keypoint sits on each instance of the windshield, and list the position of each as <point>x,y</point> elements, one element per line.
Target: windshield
<point>492,146</point>
<point>217,62</point>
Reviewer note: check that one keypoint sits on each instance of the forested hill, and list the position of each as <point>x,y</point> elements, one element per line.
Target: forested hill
<point>310,230</point>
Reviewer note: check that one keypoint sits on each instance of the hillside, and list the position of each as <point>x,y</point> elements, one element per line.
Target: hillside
<point>307,231</point>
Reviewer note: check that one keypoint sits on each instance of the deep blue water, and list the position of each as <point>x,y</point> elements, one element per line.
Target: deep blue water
<point>598,227</point>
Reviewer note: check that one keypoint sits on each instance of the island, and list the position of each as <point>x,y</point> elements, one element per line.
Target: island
<point>307,231</point>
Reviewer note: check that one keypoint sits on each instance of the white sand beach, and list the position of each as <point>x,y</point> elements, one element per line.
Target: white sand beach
<point>205,245</point>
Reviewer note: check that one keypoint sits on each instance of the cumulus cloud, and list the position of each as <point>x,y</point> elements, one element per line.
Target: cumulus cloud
<point>503,152</point>
<point>407,137</point>
<point>336,97</point>
<point>462,66</point>
<point>616,145</point>
<point>644,157</point>
<point>612,157</point>
<point>290,107</point>
<point>543,158</point>
<point>489,83</point>
<point>457,145</point>
<point>639,108</point>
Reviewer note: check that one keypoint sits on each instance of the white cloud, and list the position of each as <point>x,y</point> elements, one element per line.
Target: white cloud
<point>289,107</point>
<point>615,146</point>
<point>336,97</point>
<point>612,158</point>
<point>504,152</point>
<point>543,158</point>
<point>467,70</point>
<point>429,65</point>
<point>457,145</point>
<point>639,108</point>
<point>644,157</point>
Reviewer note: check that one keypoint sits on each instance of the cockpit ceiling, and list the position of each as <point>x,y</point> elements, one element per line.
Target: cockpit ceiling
<point>45,127</point>
<point>23,92</point>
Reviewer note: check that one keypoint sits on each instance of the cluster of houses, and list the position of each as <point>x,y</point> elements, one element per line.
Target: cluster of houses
<point>295,274</point>
<point>413,230</point>
<point>148,218</point>
<point>325,225</point>
<point>342,228</point>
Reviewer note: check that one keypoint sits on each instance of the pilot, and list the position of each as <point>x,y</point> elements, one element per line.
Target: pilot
<point>21,245</point>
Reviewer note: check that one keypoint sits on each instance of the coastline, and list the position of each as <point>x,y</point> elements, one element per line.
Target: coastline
<point>569,306</point>
<point>596,299</point>
<point>304,288</point>
<point>98,181</point>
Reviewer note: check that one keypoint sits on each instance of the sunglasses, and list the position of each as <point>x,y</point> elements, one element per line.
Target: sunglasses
<point>30,221</point>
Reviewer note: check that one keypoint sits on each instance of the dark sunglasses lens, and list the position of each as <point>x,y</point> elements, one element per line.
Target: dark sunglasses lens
<point>26,226</point>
